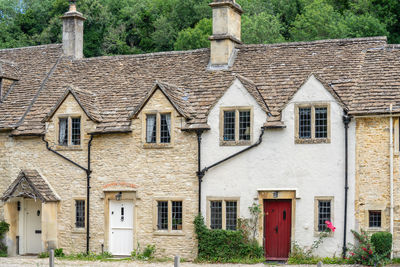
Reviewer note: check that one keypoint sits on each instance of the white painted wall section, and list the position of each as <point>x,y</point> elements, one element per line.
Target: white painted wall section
<point>313,169</point>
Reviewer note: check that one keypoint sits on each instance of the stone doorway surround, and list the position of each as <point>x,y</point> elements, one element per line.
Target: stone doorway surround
<point>30,185</point>
<point>119,191</point>
<point>276,193</point>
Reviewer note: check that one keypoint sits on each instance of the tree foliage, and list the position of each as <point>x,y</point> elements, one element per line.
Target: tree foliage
<point>141,26</point>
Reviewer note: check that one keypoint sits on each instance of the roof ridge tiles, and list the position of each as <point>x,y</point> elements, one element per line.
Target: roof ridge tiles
<point>154,54</point>
<point>344,40</point>
<point>30,47</point>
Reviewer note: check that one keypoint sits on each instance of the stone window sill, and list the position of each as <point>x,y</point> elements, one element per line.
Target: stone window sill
<point>235,143</point>
<point>312,141</point>
<point>167,233</point>
<point>68,148</point>
<point>375,229</point>
<point>317,234</point>
<point>78,231</point>
<point>156,146</point>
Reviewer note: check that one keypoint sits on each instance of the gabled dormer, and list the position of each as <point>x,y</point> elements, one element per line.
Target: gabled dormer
<point>72,118</point>
<point>9,75</point>
<point>163,111</point>
<point>238,115</point>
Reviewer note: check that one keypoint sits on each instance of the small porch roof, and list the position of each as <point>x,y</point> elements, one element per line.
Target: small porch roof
<point>31,184</point>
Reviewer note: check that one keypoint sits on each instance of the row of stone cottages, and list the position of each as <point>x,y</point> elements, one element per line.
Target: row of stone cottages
<point>110,152</point>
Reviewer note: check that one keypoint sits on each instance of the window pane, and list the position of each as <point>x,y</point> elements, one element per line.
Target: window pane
<point>165,134</point>
<point>321,122</point>
<point>216,214</point>
<point>244,125</point>
<point>176,215</point>
<point>324,214</point>
<point>151,128</point>
<point>231,215</point>
<point>63,132</point>
<point>76,131</point>
<point>375,218</point>
<point>162,222</point>
<point>305,123</point>
<point>229,125</point>
<point>80,213</point>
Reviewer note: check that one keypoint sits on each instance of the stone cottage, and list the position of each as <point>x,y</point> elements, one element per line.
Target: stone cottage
<point>108,153</point>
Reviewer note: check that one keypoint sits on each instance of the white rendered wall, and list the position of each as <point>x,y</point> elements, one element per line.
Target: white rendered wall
<point>313,169</point>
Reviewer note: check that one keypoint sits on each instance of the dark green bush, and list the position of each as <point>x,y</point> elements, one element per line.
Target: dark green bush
<point>58,252</point>
<point>224,245</point>
<point>4,227</point>
<point>382,242</point>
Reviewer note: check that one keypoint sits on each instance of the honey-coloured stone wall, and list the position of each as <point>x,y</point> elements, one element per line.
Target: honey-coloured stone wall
<point>157,172</point>
<point>373,175</point>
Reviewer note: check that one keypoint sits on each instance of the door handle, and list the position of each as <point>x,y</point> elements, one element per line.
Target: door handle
<point>276,229</point>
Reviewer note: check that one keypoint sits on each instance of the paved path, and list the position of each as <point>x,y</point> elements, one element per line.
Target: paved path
<point>27,261</point>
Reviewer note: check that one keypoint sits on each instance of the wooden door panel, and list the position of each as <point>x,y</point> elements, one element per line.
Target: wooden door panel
<point>277,228</point>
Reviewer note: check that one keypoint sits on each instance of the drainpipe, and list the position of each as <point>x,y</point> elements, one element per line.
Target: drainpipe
<point>391,176</point>
<point>201,173</point>
<point>88,172</point>
<point>346,121</point>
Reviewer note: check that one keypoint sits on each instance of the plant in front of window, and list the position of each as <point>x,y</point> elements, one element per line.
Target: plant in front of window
<point>305,255</point>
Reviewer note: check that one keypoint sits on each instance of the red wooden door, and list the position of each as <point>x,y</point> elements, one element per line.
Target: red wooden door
<point>277,228</point>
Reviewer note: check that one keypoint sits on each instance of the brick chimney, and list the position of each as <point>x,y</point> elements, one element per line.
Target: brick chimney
<point>226,31</point>
<point>73,32</point>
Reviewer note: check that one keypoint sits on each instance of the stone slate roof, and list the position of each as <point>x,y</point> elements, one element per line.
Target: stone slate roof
<point>29,183</point>
<point>34,65</point>
<point>351,69</point>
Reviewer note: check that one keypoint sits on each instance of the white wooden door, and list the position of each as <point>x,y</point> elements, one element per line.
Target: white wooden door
<point>121,227</point>
<point>33,226</point>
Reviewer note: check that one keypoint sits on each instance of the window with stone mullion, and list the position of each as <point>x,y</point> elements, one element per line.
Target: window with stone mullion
<point>304,123</point>
<point>216,214</point>
<point>321,122</point>
<point>231,215</point>
<point>162,215</point>
<point>244,125</point>
<point>229,125</point>
<point>165,128</point>
<point>151,128</point>
<point>76,131</point>
<point>63,131</point>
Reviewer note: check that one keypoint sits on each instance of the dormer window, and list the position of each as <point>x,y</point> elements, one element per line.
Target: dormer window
<point>69,133</point>
<point>312,124</point>
<point>236,126</point>
<point>158,128</point>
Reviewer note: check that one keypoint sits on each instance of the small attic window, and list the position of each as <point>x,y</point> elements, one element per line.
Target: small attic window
<point>69,131</point>
<point>236,125</point>
<point>158,128</point>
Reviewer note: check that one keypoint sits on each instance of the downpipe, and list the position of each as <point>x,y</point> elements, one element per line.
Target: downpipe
<point>391,177</point>
<point>346,121</point>
<point>202,172</point>
<point>88,172</point>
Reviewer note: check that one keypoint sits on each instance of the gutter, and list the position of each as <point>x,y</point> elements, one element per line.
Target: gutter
<point>88,172</point>
<point>202,172</point>
<point>346,121</point>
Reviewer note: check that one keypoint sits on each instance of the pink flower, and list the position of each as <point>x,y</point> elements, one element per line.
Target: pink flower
<point>330,226</point>
<point>365,249</point>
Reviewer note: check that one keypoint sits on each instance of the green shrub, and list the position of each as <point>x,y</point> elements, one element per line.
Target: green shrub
<point>224,245</point>
<point>146,254</point>
<point>58,252</point>
<point>4,227</point>
<point>43,255</point>
<point>364,252</point>
<point>382,242</point>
